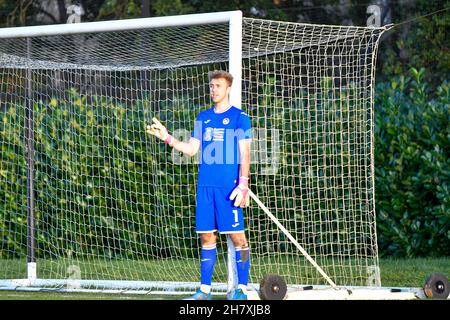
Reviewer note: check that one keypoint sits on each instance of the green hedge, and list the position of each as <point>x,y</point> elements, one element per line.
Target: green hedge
<point>90,156</point>
<point>412,167</point>
<point>93,156</point>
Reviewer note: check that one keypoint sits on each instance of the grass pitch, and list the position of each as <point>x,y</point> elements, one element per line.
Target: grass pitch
<point>394,273</point>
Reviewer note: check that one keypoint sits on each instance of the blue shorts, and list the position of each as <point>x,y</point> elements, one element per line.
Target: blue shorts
<point>216,212</point>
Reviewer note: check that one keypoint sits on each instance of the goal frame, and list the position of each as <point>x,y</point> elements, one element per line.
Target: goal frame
<point>232,18</point>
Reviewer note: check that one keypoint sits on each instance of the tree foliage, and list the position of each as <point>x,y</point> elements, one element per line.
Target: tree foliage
<point>421,43</point>
<point>412,166</point>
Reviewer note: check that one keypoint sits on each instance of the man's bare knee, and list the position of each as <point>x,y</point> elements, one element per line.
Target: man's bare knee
<point>208,238</point>
<point>239,240</point>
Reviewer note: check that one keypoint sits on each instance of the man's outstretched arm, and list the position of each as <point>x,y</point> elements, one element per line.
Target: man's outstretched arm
<point>159,130</point>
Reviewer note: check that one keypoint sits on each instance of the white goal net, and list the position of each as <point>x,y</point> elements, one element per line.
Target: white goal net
<point>95,202</point>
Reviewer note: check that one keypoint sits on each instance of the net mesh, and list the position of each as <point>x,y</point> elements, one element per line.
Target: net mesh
<point>112,203</point>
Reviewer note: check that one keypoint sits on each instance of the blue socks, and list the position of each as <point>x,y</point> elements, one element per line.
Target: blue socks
<point>243,264</point>
<point>207,262</point>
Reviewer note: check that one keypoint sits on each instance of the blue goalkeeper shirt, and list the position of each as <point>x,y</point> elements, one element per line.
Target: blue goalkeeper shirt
<point>219,135</point>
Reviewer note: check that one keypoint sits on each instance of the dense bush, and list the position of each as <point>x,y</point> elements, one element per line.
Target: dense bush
<point>412,167</point>
<point>90,157</point>
<point>93,156</point>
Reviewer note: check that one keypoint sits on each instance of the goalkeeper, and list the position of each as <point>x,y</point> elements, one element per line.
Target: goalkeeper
<point>223,134</point>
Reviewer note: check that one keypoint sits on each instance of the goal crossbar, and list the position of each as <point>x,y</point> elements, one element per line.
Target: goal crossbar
<point>121,25</point>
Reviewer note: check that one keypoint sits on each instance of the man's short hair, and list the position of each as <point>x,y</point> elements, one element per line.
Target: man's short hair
<point>217,74</point>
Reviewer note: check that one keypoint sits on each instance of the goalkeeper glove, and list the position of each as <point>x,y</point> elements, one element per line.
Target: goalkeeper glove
<point>159,131</point>
<point>240,193</point>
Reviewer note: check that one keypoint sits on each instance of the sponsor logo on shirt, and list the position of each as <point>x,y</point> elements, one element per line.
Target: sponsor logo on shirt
<point>218,134</point>
<point>214,134</point>
<point>208,134</point>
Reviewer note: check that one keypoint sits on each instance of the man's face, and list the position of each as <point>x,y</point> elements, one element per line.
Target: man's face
<point>219,89</point>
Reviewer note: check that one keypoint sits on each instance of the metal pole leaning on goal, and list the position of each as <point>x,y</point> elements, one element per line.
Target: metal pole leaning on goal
<point>299,247</point>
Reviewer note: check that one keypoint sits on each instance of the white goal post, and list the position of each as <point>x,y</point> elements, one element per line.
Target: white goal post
<point>89,202</point>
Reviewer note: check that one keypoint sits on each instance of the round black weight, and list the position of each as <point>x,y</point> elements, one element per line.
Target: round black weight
<point>437,286</point>
<point>272,287</point>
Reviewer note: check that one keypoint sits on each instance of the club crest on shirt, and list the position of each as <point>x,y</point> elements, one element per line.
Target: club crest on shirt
<point>226,121</point>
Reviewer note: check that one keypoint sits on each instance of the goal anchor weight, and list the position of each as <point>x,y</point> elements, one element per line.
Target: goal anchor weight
<point>436,286</point>
<point>272,287</point>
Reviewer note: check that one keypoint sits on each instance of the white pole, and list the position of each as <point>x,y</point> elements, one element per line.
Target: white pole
<point>120,25</point>
<point>31,272</point>
<point>235,57</point>
<point>235,68</point>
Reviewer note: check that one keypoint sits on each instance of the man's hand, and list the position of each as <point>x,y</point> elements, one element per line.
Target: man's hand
<point>159,131</point>
<point>240,193</point>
